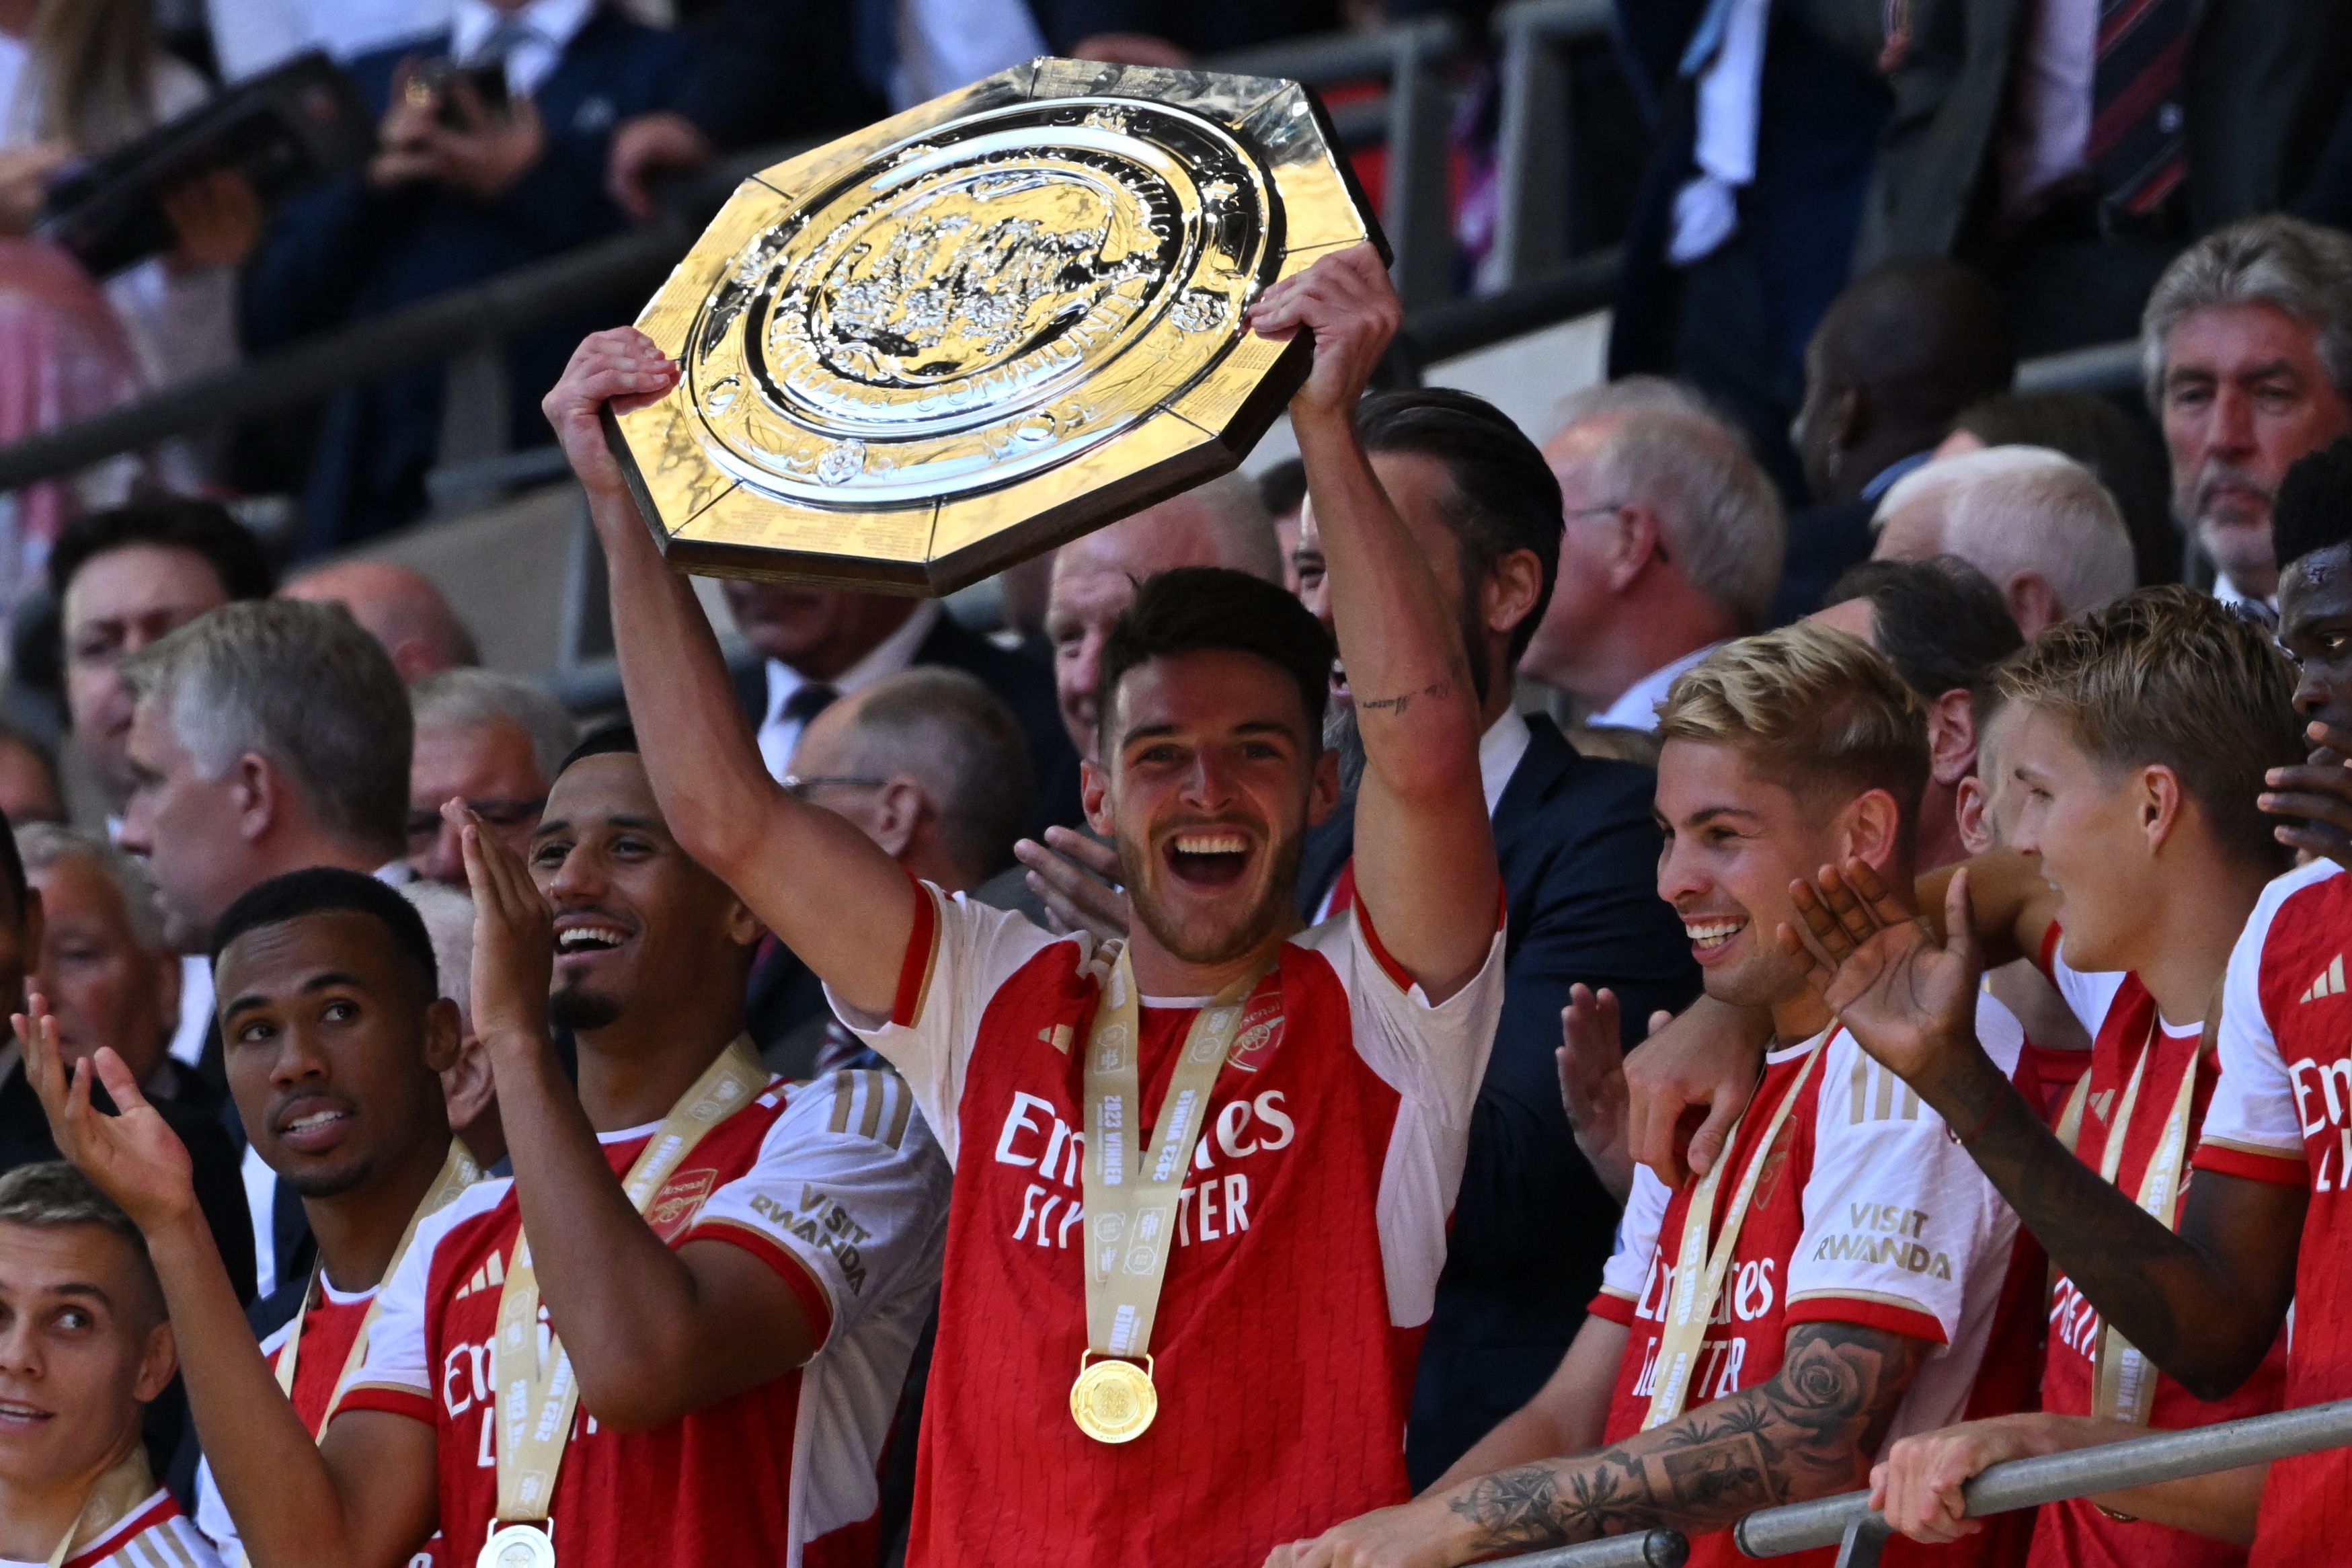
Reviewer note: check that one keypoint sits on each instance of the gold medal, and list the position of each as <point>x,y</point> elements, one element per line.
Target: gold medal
<point>518,1546</point>
<point>1113,1401</point>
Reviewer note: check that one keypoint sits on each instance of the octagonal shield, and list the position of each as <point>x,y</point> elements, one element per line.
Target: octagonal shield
<point>982,327</point>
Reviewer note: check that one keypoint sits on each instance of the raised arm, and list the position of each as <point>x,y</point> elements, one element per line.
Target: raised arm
<point>822,887</point>
<point>653,1335</point>
<point>1809,1430</point>
<point>1424,849</point>
<point>367,1503</point>
<point>2204,1304</point>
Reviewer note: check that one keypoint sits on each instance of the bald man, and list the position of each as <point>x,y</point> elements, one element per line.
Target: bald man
<point>400,608</point>
<point>2035,522</point>
<point>1903,349</point>
<point>1221,523</point>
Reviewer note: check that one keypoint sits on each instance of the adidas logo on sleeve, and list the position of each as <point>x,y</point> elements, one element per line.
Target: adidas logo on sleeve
<point>2329,983</point>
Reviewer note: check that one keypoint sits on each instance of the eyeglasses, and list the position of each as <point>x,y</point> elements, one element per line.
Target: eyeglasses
<point>499,813</point>
<point>798,787</point>
<point>1614,507</point>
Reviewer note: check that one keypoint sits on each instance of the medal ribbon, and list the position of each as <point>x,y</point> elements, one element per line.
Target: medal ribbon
<point>1699,1271</point>
<point>458,1171</point>
<point>2124,1385</point>
<point>120,1490</point>
<point>536,1392</point>
<point>1130,1206</point>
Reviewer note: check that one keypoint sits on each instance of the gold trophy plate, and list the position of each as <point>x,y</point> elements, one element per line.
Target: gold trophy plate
<point>972,330</point>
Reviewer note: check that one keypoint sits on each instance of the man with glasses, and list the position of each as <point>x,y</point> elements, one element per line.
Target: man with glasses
<point>1672,543</point>
<point>491,741</point>
<point>930,765</point>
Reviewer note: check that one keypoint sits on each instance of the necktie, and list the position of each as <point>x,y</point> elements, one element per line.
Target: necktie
<point>2140,140</point>
<point>811,698</point>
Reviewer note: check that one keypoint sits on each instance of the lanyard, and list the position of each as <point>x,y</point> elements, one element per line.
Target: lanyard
<point>1130,1194</point>
<point>458,1171</point>
<point>1699,1271</point>
<point>2123,1388</point>
<point>123,1488</point>
<point>536,1390</point>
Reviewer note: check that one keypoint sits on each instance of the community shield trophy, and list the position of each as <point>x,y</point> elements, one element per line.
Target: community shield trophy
<point>975,330</point>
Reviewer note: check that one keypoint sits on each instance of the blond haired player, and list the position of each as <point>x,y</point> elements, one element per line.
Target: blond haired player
<point>732,1270</point>
<point>2138,738</point>
<point>1762,1336</point>
<point>83,1348</point>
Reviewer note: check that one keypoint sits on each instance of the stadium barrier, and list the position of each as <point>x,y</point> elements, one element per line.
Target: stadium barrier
<point>1847,1522</point>
<point>1533,142</point>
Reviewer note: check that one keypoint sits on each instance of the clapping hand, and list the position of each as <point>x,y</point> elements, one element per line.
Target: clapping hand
<point>1908,998</point>
<point>1591,1059</point>
<point>1077,877</point>
<point>2315,797</point>
<point>133,1157</point>
<point>514,938</point>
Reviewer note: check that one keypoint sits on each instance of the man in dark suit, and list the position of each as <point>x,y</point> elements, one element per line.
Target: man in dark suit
<point>1730,312</point>
<point>2071,151</point>
<point>1905,347</point>
<point>1579,852</point>
<point>818,645</point>
<point>463,190</point>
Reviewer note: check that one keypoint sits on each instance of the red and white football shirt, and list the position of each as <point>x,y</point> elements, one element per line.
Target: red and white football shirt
<point>2283,1112</point>
<point>1306,1257</point>
<point>328,1329</point>
<point>838,1185</point>
<point>2119,1013</point>
<point>1866,1212</point>
<point>155,1535</point>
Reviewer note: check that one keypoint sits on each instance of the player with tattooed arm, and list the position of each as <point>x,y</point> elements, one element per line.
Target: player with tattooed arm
<point>2262,1226</point>
<point>1202,1178</point>
<point>1763,1334</point>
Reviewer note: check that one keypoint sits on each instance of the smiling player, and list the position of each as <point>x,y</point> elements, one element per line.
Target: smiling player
<point>1760,1336</point>
<point>1185,1349</point>
<point>738,1266</point>
<point>2262,1226</point>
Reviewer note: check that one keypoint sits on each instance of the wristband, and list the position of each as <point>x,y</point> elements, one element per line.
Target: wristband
<point>1973,1134</point>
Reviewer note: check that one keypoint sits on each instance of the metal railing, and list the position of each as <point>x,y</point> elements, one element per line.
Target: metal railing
<point>1412,118</point>
<point>1533,151</point>
<point>1638,1549</point>
<point>1846,1520</point>
<point>1417,110</point>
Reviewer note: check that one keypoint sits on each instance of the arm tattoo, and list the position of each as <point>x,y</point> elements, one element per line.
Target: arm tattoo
<point>1808,1431</point>
<point>2186,1310</point>
<point>1397,705</point>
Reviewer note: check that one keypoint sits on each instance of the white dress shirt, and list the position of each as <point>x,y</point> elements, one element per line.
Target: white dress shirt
<point>947,44</point>
<point>249,36</point>
<point>2049,135</point>
<point>779,734</point>
<point>1637,707</point>
<point>1499,751</point>
<point>546,29</point>
<point>1730,86</point>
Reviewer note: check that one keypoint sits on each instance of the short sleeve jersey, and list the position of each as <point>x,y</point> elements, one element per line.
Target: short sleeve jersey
<point>328,1329</point>
<point>1308,1243</point>
<point>2283,1112</point>
<point>1866,1212</point>
<point>2125,1026</point>
<point>155,1535</point>
<point>838,1186</point>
